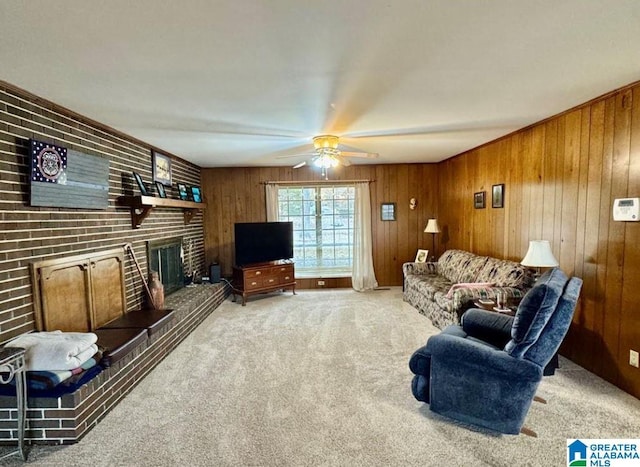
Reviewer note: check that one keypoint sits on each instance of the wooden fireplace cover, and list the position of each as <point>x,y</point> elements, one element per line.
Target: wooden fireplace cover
<point>79,293</point>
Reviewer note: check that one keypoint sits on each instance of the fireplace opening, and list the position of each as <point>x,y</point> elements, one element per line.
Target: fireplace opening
<point>165,257</point>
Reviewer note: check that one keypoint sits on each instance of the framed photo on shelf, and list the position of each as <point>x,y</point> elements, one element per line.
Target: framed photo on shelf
<point>497,196</point>
<point>161,192</point>
<point>388,211</point>
<point>141,185</point>
<point>195,194</point>
<point>421,256</point>
<point>479,200</point>
<point>161,168</point>
<point>182,192</point>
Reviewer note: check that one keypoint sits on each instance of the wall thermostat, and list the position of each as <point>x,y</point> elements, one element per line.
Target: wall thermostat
<point>626,209</point>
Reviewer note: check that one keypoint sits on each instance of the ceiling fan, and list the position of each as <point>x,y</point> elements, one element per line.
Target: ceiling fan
<point>327,155</point>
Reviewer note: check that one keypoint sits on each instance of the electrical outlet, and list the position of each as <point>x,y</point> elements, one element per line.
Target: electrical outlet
<point>634,360</point>
<point>320,282</point>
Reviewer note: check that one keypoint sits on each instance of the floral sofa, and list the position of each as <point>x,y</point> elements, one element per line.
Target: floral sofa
<point>443,293</point>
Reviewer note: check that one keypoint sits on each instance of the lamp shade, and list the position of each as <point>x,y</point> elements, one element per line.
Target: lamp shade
<point>432,226</point>
<point>539,255</point>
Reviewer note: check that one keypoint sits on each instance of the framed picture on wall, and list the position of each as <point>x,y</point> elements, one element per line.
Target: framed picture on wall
<point>161,168</point>
<point>388,212</point>
<point>497,196</point>
<point>479,200</point>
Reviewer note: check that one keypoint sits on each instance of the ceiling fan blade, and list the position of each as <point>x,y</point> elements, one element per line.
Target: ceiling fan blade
<point>301,164</point>
<point>367,155</point>
<point>288,156</point>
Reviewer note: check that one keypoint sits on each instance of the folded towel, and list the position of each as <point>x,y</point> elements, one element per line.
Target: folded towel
<point>56,350</point>
<point>42,380</point>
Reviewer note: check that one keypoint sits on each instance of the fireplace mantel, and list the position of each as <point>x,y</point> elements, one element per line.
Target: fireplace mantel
<point>141,207</point>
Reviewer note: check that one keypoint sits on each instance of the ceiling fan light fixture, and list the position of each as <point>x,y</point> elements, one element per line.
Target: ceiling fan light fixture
<point>326,142</point>
<point>326,161</point>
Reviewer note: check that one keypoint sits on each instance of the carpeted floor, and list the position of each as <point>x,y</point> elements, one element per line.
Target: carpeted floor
<point>321,378</point>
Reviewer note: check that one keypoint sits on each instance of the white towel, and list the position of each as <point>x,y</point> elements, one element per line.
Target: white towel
<point>56,350</point>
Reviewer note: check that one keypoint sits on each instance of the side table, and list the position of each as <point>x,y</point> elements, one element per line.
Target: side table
<point>12,365</point>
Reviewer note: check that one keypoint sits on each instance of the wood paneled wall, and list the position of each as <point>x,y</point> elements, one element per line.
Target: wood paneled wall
<point>561,177</point>
<point>237,195</point>
<point>29,234</point>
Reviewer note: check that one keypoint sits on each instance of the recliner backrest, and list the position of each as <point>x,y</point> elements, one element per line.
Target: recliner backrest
<point>535,311</point>
<point>557,327</point>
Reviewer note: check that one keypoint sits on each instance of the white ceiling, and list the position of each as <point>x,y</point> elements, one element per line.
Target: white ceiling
<point>240,82</point>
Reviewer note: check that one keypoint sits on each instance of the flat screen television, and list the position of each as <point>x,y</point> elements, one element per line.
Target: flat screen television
<point>259,242</point>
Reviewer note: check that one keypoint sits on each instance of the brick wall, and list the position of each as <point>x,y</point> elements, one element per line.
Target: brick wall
<point>28,234</point>
<point>66,419</point>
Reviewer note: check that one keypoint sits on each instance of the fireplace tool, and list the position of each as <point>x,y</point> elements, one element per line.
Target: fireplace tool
<point>129,248</point>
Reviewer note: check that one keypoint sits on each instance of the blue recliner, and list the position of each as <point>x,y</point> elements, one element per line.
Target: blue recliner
<point>467,372</point>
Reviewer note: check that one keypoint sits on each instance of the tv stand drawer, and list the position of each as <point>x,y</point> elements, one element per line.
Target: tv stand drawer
<point>261,278</point>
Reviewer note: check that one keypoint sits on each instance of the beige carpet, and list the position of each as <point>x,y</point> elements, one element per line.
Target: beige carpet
<point>321,378</point>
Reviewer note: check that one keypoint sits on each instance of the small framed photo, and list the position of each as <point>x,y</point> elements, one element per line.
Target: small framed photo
<point>497,196</point>
<point>161,168</point>
<point>421,256</point>
<point>182,192</point>
<point>161,192</point>
<point>141,185</point>
<point>388,211</point>
<point>479,200</point>
<point>195,194</point>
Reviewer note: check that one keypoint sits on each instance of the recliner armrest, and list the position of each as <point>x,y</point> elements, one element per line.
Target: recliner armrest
<point>494,328</point>
<point>463,353</point>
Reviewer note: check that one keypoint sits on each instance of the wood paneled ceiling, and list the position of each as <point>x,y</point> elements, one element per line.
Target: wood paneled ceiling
<point>241,82</point>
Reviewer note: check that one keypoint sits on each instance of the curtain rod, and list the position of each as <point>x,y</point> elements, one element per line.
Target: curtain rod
<point>316,182</point>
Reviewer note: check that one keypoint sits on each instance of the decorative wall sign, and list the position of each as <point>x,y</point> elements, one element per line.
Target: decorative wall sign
<point>161,168</point>
<point>48,162</point>
<point>478,200</point>
<point>66,178</point>
<point>497,196</point>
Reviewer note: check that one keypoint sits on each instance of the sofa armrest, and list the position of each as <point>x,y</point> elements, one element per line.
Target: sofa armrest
<point>417,269</point>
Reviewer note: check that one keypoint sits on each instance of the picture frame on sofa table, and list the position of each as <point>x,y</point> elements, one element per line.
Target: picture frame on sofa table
<point>421,256</point>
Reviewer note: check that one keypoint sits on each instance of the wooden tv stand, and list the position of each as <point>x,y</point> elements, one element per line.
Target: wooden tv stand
<point>258,278</point>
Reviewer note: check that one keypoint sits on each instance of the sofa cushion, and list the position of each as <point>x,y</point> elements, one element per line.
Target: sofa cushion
<point>535,310</point>
<point>460,266</point>
<point>118,342</point>
<point>504,273</point>
<point>151,320</point>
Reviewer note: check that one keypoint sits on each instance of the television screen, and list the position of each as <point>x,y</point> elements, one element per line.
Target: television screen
<point>259,242</point>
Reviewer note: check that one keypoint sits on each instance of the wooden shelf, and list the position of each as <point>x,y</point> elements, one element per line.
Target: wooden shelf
<point>141,207</point>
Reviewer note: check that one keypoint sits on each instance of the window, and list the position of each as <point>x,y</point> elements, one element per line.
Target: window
<point>322,219</point>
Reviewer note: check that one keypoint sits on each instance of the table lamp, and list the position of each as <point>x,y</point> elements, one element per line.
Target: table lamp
<point>433,229</point>
<point>538,256</point>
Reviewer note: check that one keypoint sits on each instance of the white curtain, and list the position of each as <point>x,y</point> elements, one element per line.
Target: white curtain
<point>363,276</point>
<point>271,195</point>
